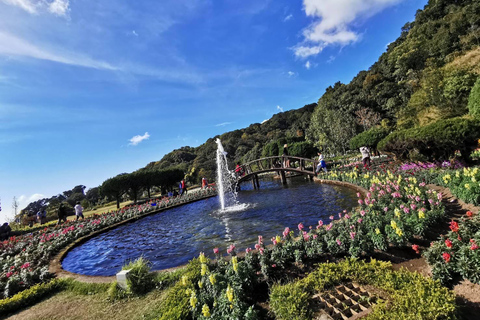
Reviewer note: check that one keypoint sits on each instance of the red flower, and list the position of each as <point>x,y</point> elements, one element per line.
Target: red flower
<point>415,248</point>
<point>448,243</point>
<point>454,226</point>
<point>446,257</point>
<point>469,213</point>
<point>474,246</point>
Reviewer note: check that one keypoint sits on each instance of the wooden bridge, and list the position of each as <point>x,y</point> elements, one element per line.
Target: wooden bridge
<point>279,164</point>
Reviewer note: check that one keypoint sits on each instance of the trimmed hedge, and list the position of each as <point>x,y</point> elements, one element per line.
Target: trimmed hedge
<point>411,295</point>
<point>474,100</point>
<point>436,141</point>
<point>30,296</point>
<point>369,138</point>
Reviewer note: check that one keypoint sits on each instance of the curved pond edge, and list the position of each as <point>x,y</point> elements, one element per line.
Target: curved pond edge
<point>56,268</point>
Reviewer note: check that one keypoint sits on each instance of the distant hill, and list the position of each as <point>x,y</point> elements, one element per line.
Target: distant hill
<point>242,145</point>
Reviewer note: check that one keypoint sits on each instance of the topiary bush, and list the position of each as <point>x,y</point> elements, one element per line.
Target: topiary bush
<point>474,100</point>
<point>436,141</point>
<point>369,138</point>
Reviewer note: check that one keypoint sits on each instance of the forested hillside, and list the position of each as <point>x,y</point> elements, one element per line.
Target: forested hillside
<point>425,75</point>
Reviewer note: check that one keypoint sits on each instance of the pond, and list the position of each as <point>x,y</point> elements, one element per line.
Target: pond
<point>171,238</point>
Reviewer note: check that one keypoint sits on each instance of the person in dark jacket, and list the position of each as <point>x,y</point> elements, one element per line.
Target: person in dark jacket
<point>286,164</point>
<point>62,214</point>
<point>5,231</point>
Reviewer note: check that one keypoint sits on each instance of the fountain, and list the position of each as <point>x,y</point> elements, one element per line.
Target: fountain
<point>226,180</point>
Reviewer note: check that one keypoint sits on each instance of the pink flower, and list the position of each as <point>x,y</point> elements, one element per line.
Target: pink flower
<point>260,239</point>
<point>339,242</point>
<point>300,226</point>
<point>413,206</point>
<point>332,217</point>
<point>320,223</point>
<point>347,216</point>
<point>306,237</point>
<point>369,195</point>
<point>474,246</point>
<point>448,243</point>
<point>362,213</point>
<point>385,209</point>
<point>274,241</point>
<point>329,226</point>
<point>360,201</point>
<point>439,196</point>
<point>257,246</point>
<point>359,220</point>
<point>231,248</point>
<point>358,195</point>
<point>9,274</point>
<point>274,265</point>
<point>314,236</point>
<point>352,235</point>
<point>286,232</point>
<point>248,250</point>
<point>216,251</point>
<point>261,250</point>
<point>406,210</point>
<point>25,265</point>
<point>340,215</point>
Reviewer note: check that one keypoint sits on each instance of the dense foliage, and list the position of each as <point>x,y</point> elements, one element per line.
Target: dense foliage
<point>437,141</point>
<point>474,100</point>
<point>369,138</point>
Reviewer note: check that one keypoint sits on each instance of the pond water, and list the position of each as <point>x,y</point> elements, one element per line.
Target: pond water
<point>173,237</point>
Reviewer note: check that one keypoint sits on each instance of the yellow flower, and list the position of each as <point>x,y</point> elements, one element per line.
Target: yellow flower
<point>393,224</point>
<point>193,300</point>
<point>467,186</point>
<point>399,232</point>
<point>212,279</point>
<point>202,258</point>
<point>235,264</point>
<point>184,280</point>
<point>230,293</point>
<point>206,311</point>
<point>278,239</point>
<point>377,231</point>
<point>473,179</point>
<point>421,214</point>
<point>204,269</point>
<point>397,212</point>
<point>200,284</point>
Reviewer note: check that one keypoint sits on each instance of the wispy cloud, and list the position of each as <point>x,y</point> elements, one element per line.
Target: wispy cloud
<point>11,45</point>
<point>290,16</point>
<point>134,33</point>
<point>331,59</point>
<point>279,108</point>
<point>223,124</point>
<point>291,73</point>
<point>35,197</point>
<point>264,121</point>
<point>137,139</point>
<point>308,65</point>
<point>334,23</point>
<point>26,5</point>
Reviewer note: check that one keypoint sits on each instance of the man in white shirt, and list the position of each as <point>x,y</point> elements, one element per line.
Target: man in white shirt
<point>365,156</point>
<point>79,211</point>
<point>321,163</point>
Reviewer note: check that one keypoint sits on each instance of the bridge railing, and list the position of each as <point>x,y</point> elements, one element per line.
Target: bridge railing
<point>280,162</point>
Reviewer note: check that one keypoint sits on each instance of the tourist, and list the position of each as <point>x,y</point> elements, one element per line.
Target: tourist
<point>180,187</point>
<point>322,165</point>
<point>43,217</point>
<point>79,211</point>
<point>62,214</point>
<point>239,170</point>
<point>184,187</point>
<point>5,231</point>
<point>204,183</point>
<point>286,163</point>
<point>365,157</point>
<point>39,216</point>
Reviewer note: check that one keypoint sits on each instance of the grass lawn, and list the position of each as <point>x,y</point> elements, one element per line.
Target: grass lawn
<point>70,305</point>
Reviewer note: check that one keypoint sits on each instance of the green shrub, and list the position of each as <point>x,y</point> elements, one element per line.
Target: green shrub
<point>411,295</point>
<point>369,138</point>
<point>436,141</point>
<point>474,100</point>
<point>302,149</point>
<point>115,292</point>
<point>140,280</point>
<point>30,296</point>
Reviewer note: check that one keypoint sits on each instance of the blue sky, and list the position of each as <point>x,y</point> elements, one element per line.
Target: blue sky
<point>90,89</point>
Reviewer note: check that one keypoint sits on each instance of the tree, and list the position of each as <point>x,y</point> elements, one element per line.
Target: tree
<point>367,118</point>
<point>15,205</point>
<point>115,187</point>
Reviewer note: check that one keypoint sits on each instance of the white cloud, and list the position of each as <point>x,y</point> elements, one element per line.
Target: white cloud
<point>304,52</point>
<point>137,139</point>
<point>308,65</point>
<point>223,124</point>
<point>290,16</point>
<point>279,108</point>
<point>291,73</point>
<point>10,45</point>
<point>334,21</point>
<point>331,59</point>
<point>26,5</point>
<point>135,33</point>
<point>34,197</point>
<point>264,121</point>
<point>59,7</point>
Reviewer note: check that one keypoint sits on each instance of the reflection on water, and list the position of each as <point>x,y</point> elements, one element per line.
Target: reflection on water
<point>173,237</point>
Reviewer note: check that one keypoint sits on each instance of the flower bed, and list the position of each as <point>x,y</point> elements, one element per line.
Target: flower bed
<point>24,259</point>
<point>458,252</point>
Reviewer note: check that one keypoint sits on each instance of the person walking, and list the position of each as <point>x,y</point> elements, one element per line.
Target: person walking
<point>322,165</point>
<point>62,213</point>
<point>79,211</point>
<point>365,157</point>
<point>184,187</point>
<point>286,162</point>
<point>204,183</point>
